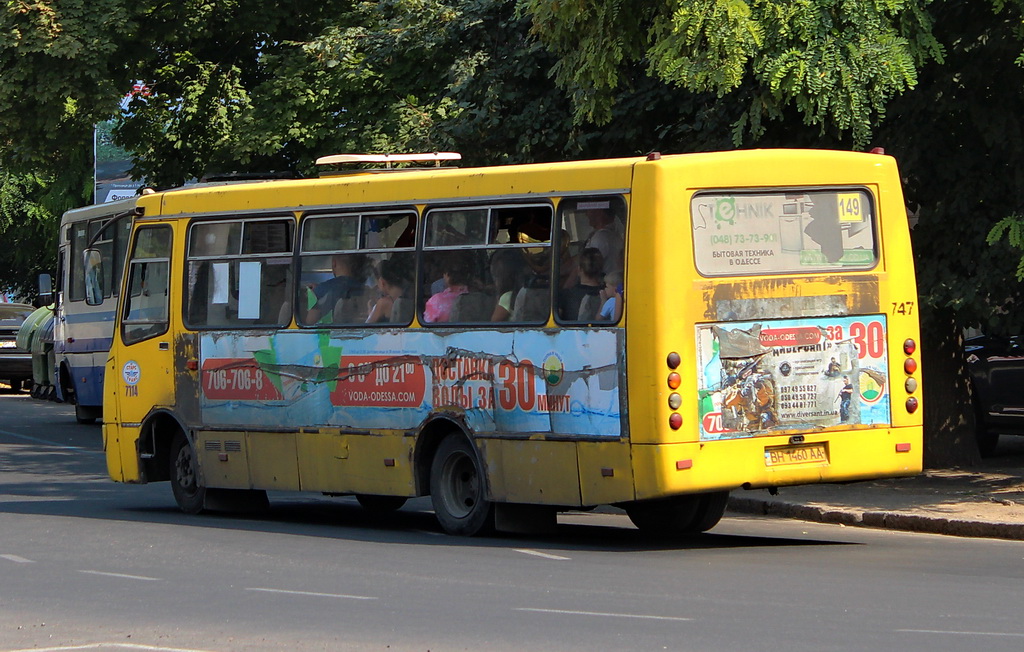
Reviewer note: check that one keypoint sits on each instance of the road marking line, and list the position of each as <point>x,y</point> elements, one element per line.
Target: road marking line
<point>50,443</point>
<point>16,558</point>
<point>313,594</point>
<point>108,646</point>
<point>537,553</point>
<point>121,575</point>
<point>603,615</point>
<point>943,631</point>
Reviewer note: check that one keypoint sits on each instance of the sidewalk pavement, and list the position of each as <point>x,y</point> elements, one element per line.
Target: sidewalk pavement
<point>984,502</point>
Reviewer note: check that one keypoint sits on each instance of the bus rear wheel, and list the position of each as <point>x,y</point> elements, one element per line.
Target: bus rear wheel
<point>710,511</point>
<point>381,504</point>
<point>458,489</point>
<point>188,491</point>
<point>678,515</point>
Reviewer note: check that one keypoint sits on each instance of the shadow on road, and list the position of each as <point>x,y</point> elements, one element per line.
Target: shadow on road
<point>40,480</point>
<point>68,478</point>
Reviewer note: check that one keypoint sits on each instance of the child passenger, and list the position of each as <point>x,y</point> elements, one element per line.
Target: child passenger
<point>613,295</point>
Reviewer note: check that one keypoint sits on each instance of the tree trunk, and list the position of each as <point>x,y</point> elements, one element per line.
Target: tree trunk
<point>948,416</point>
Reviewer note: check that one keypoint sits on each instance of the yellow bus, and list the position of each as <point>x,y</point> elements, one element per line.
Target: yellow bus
<point>649,333</point>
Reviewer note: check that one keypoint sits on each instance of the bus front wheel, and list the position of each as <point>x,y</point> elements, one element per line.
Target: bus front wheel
<point>458,489</point>
<point>189,492</point>
<point>87,415</point>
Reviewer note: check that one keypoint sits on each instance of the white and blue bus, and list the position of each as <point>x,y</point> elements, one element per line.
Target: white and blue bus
<point>84,324</point>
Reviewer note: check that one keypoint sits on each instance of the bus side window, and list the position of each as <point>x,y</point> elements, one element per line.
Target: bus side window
<point>592,253</point>
<point>239,273</point>
<point>390,240</point>
<point>146,306</point>
<point>79,237</point>
<point>487,264</point>
<point>357,269</point>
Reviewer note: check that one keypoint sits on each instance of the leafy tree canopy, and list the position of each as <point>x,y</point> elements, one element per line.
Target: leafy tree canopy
<point>838,62</point>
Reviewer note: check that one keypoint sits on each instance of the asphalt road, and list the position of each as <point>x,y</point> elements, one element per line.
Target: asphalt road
<point>89,564</point>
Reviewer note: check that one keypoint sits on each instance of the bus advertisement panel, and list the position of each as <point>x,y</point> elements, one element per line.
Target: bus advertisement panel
<point>792,375</point>
<point>509,382</point>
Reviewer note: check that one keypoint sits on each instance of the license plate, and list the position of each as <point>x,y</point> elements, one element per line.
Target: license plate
<point>805,454</point>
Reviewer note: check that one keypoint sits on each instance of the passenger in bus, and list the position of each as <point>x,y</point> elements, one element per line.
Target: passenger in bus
<point>456,279</point>
<point>393,279</point>
<point>349,283</point>
<point>613,295</point>
<point>532,302</point>
<point>507,270</point>
<point>605,238</point>
<point>587,289</point>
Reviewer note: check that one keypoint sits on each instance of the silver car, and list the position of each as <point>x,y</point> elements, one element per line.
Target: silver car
<point>15,363</point>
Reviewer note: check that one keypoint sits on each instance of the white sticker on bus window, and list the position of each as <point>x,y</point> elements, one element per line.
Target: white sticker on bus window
<point>249,282</point>
<point>220,283</point>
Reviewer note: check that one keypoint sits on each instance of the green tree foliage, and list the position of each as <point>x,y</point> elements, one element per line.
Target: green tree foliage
<point>24,223</point>
<point>958,140</point>
<point>838,62</point>
<point>61,71</point>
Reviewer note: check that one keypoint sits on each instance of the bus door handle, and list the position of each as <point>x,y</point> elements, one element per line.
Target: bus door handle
<point>164,346</point>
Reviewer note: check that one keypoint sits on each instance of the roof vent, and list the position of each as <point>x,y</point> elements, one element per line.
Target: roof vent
<point>390,159</point>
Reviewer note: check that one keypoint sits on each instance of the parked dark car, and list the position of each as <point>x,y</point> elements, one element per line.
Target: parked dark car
<point>15,363</point>
<point>997,374</point>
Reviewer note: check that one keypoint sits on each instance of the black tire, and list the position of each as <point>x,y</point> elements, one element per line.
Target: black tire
<point>987,441</point>
<point>710,510</point>
<point>188,491</point>
<point>458,489</point>
<point>664,516</point>
<point>87,415</point>
<point>381,504</point>
<point>983,436</point>
<point>17,386</point>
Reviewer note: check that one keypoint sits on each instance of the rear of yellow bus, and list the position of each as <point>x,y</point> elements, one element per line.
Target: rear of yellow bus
<point>774,340</point>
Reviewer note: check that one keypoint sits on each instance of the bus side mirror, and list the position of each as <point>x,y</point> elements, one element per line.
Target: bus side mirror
<point>93,274</point>
<point>45,289</point>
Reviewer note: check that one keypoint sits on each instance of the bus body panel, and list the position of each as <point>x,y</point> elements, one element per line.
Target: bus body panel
<point>606,472</point>
<point>414,187</point>
<point>667,469</point>
<point>532,471</point>
<point>146,371</point>
<point>675,297</point>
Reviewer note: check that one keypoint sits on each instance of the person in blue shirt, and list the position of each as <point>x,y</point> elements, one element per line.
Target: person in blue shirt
<point>349,281</point>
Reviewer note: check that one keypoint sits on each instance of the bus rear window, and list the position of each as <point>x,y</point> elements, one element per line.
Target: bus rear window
<point>795,231</point>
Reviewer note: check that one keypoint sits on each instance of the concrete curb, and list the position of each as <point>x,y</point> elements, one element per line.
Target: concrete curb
<point>876,519</point>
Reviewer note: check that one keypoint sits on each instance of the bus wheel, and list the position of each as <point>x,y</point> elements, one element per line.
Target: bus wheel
<point>86,415</point>
<point>188,492</point>
<point>710,510</point>
<point>664,516</point>
<point>457,489</point>
<point>381,504</point>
